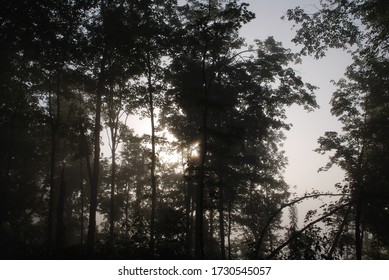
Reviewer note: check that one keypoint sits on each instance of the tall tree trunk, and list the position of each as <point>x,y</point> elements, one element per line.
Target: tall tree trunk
<point>84,152</point>
<point>54,124</point>
<point>5,171</point>
<point>112,198</point>
<point>188,221</point>
<point>127,222</point>
<point>210,248</point>
<point>153,157</point>
<point>50,219</point>
<point>199,234</point>
<point>95,176</point>
<point>96,159</point>
<point>91,238</point>
<point>139,185</point>
<point>82,204</point>
<point>229,229</point>
<point>199,229</point>
<point>114,127</point>
<point>60,232</point>
<point>221,221</point>
<point>359,205</point>
<point>358,229</point>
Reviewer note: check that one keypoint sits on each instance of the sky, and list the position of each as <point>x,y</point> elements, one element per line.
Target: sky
<point>303,163</point>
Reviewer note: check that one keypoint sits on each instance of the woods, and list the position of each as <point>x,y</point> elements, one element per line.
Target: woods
<point>207,181</point>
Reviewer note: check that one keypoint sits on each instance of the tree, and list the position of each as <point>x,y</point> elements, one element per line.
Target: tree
<point>360,102</point>
<point>218,96</point>
<point>42,54</point>
<point>210,36</point>
<point>361,105</point>
<point>156,26</point>
<point>112,55</point>
<point>337,24</point>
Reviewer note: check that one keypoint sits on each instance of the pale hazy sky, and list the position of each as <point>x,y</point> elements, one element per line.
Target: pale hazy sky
<point>307,127</point>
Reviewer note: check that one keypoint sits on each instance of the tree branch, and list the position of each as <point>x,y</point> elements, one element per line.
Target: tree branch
<point>279,248</point>
<point>279,210</point>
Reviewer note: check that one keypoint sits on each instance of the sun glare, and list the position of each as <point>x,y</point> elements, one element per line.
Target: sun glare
<point>195,150</point>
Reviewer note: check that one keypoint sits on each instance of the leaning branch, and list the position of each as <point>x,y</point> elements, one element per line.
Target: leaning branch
<point>279,248</point>
<point>279,210</point>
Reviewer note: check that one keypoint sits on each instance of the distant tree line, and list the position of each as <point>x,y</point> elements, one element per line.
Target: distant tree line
<point>73,71</point>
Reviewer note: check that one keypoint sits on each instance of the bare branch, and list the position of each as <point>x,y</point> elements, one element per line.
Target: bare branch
<point>279,210</point>
<point>279,248</point>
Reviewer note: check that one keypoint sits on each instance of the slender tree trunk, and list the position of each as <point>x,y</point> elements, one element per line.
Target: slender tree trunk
<point>188,210</point>
<point>112,199</point>
<point>199,235</point>
<point>95,176</point>
<point>221,221</point>
<point>54,124</point>
<point>229,229</point>
<point>85,152</point>
<point>91,238</point>
<point>359,204</point>
<point>6,172</point>
<point>127,222</point>
<point>114,127</point>
<point>139,185</point>
<point>210,248</point>
<point>60,232</point>
<point>50,219</point>
<point>358,229</point>
<point>82,204</point>
<point>199,222</point>
<point>96,159</point>
<point>153,157</point>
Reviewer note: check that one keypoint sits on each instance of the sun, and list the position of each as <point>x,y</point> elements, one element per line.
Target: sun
<point>194,150</point>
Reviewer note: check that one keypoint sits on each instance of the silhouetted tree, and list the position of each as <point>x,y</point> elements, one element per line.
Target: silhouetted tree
<point>360,102</point>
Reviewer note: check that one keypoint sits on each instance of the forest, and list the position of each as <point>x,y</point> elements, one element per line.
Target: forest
<point>76,182</point>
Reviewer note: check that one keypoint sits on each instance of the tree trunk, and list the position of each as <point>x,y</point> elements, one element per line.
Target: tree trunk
<point>54,124</point>
<point>210,248</point>
<point>50,219</point>
<point>95,176</point>
<point>127,222</point>
<point>359,204</point>
<point>188,221</point>
<point>221,221</point>
<point>4,177</point>
<point>96,160</point>
<point>96,155</point>
<point>60,232</point>
<point>229,229</point>
<point>199,230</point>
<point>153,157</point>
<point>358,230</point>
<point>114,126</point>
<point>82,204</point>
